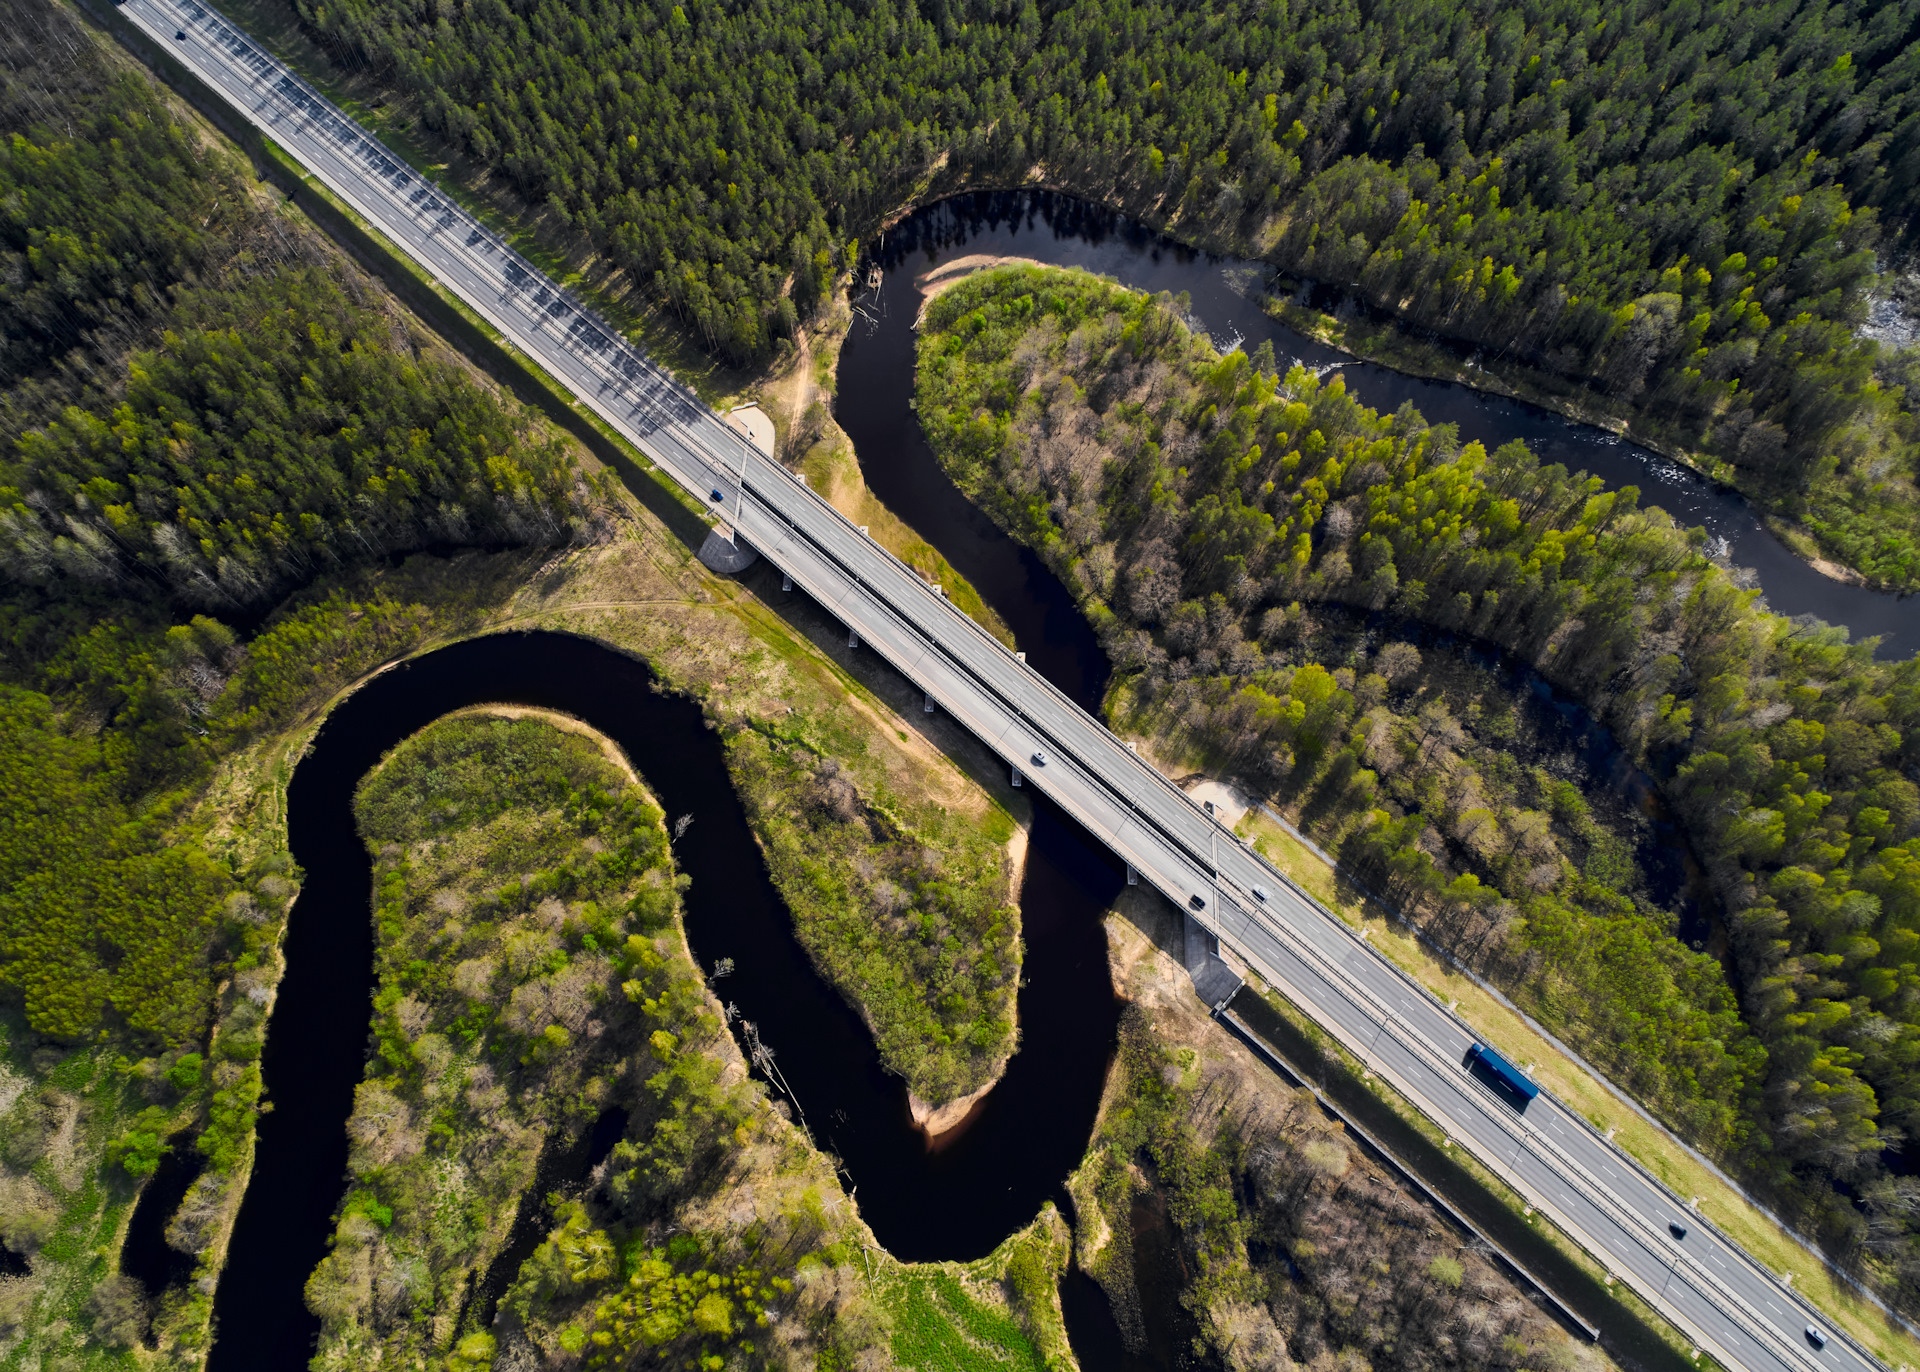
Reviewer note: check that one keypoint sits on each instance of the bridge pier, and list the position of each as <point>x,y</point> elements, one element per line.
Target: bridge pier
<point>1133,877</point>
<point>290,112</point>
<point>728,555</point>
<point>786,582</point>
<point>1214,980</point>
<point>929,706</point>
<point>853,638</point>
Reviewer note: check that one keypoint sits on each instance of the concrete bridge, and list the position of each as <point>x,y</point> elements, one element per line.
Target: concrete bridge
<point>1645,1235</point>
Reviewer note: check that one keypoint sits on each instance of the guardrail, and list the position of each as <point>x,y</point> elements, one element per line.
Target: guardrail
<point>1258,1042</point>
<point>1514,1126</point>
<point>1807,1309</point>
<point>693,436</point>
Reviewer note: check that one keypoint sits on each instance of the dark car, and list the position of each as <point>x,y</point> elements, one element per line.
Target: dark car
<point>1197,901</point>
<point>1679,1229</point>
<point>716,493</point>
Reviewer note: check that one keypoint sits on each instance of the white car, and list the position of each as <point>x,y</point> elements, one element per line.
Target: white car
<point>1039,758</point>
<point>1259,893</point>
<point>1815,1337</point>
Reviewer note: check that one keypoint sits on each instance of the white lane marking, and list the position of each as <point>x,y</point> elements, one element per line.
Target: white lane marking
<point>575,368</point>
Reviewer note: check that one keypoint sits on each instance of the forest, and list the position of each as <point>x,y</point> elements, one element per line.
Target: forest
<point>1210,514</point>
<point>1680,208</point>
<point>201,409</point>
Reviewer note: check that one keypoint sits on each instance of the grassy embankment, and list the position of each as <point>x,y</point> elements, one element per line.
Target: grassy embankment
<point>1000,1314</point>
<point>834,471</point>
<point>799,396</point>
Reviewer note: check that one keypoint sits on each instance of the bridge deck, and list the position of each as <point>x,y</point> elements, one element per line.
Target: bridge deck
<point>1711,1289</point>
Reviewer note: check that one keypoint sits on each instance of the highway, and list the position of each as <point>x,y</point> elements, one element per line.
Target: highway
<point>1729,1305</point>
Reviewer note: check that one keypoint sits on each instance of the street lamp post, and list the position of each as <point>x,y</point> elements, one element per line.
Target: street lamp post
<point>740,491</point>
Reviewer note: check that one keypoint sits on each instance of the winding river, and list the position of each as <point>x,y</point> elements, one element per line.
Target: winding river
<point>959,1201</point>
<point>876,380</point>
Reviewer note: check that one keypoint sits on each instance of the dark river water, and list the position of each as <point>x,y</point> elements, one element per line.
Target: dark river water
<point>963,1199</point>
<point>877,371</point>
<point>958,1202</point>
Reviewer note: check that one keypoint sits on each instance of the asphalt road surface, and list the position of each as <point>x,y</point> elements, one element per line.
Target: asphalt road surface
<point>1730,1305</point>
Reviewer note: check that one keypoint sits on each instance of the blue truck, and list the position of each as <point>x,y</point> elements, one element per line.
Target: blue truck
<point>1504,1072</point>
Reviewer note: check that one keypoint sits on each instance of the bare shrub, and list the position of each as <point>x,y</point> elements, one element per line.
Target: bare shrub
<point>16,1302</point>
<point>412,1016</point>
<point>119,1310</point>
<point>381,1129</point>
<point>28,1214</point>
<point>1397,661</point>
<point>833,793</point>
<point>197,1220</point>
<point>473,978</point>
